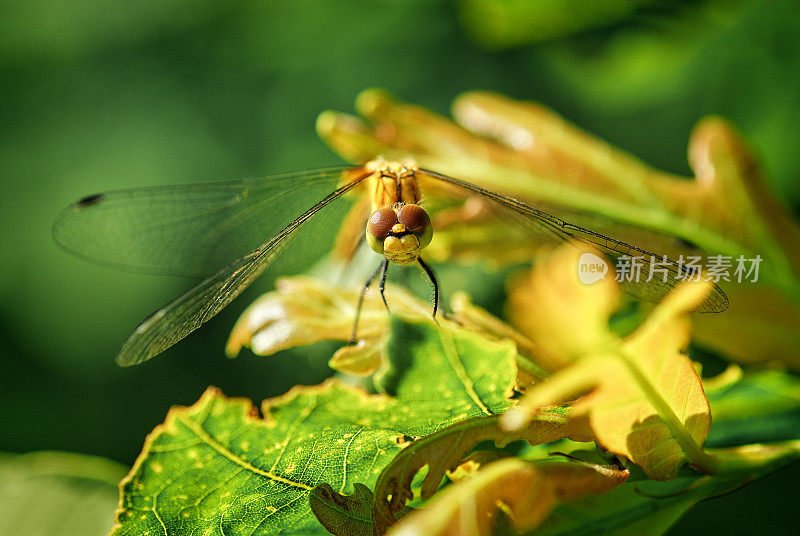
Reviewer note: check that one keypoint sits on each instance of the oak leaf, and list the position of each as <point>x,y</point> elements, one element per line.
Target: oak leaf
<point>637,396</point>
<point>527,491</point>
<point>442,452</point>
<point>526,151</point>
<point>219,466</point>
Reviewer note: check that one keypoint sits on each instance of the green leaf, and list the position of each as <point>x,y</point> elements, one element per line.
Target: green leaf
<point>642,507</point>
<point>57,493</point>
<point>756,424</point>
<point>636,508</point>
<point>761,407</point>
<point>218,468</point>
<point>449,361</point>
<point>742,412</point>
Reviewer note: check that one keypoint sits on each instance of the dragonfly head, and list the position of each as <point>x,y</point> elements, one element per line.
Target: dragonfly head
<point>400,232</point>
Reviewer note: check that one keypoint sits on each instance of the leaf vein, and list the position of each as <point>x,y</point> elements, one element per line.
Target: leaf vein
<point>292,429</point>
<point>458,367</point>
<point>218,447</point>
<point>344,461</point>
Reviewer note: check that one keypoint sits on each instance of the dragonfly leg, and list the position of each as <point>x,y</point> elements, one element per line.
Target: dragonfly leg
<point>382,286</point>
<point>363,293</point>
<point>432,277</point>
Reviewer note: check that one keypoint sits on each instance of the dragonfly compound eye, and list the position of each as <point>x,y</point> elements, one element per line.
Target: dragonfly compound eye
<point>379,226</point>
<point>416,220</point>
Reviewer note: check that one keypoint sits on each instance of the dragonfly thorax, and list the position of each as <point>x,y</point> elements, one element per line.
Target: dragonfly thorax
<point>393,182</point>
<point>399,232</point>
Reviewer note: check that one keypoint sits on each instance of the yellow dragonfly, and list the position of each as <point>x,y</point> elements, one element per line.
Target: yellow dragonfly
<point>229,233</point>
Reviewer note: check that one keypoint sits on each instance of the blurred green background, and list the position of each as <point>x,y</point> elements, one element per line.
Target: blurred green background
<point>98,95</point>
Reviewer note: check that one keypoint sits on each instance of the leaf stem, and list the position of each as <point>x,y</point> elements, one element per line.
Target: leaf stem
<point>697,456</point>
<point>756,459</point>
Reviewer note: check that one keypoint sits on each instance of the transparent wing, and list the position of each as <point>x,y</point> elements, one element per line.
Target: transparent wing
<point>313,233</point>
<point>666,274</point>
<point>190,230</point>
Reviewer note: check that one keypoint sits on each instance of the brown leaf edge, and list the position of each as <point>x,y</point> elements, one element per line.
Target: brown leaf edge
<point>526,491</point>
<point>442,452</point>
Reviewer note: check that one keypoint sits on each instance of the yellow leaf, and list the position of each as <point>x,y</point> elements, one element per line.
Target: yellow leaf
<point>443,451</point>
<point>526,491</point>
<point>360,359</point>
<point>559,313</point>
<point>526,151</point>
<point>303,310</point>
<point>645,399</point>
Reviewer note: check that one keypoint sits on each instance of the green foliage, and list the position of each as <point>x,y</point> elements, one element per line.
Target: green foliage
<point>156,93</point>
<point>646,507</point>
<point>761,407</point>
<point>57,493</point>
<point>506,23</point>
<point>218,464</point>
<point>635,508</point>
<point>317,453</point>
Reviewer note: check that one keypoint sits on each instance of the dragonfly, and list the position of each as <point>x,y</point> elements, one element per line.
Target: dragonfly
<point>229,233</point>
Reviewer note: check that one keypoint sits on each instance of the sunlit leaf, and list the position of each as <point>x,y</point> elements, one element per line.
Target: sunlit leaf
<point>304,310</point>
<point>218,465</point>
<point>642,507</point>
<point>645,400</point>
<point>444,451</point>
<point>760,405</point>
<point>527,151</point>
<point>526,491</point>
<point>564,317</point>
